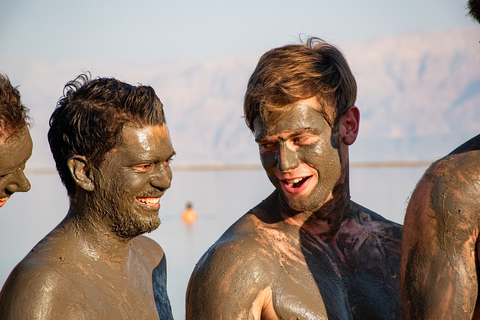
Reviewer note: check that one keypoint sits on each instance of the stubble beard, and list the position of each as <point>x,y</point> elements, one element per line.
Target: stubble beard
<point>129,225</point>
<point>122,218</point>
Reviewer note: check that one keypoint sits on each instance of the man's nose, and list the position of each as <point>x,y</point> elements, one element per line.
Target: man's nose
<point>162,178</point>
<point>18,183</point>
<point>286,158</point>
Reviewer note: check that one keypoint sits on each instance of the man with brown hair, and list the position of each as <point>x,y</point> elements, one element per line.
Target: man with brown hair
<point>112,150</point>
<point>307,251</point>
<point>15,141</point>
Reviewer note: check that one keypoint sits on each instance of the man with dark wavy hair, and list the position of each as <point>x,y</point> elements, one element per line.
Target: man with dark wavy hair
<point>112,150</point>
<point>307,251</point>
<point>15,141</point>
<point>440,247</point>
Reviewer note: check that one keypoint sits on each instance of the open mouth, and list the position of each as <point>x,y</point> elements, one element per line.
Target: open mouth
<point>3,200</point>
<point>296,185</point>
<point>151,202</point>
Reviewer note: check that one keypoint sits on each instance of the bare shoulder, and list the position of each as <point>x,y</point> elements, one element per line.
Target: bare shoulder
<point>146,243</point>
<point>371,237</point>
<point>442,217</point>
<point>440,238</point>
<point>148,247</point>
<point>449,191</point>
<point>239,244</point>
<point>231,275</point>
<point>33,289</point>
<point>458,172</point>
<point>457,175</point>
<point>377,222</point>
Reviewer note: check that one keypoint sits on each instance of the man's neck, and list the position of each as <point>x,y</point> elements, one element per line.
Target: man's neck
<point>327,220</point>
<point>93,237</point>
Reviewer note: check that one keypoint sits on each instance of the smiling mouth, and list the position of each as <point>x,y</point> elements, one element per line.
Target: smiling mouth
<point>151,202</point>
<point>3,200</point>
<point>295,185</point>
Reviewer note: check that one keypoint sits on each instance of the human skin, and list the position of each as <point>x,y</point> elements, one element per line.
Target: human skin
<point>307,251</point>
<point>14,153</point>
<point>439,266</point>
<point>95,264</point>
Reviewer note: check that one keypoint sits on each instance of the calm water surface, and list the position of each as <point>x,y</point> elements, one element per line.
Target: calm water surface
<point>219,197</point>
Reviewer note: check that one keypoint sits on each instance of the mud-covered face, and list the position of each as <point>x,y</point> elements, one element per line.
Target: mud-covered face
<point>134,176</point>
<point>300,155</point>
<point>14,153</point>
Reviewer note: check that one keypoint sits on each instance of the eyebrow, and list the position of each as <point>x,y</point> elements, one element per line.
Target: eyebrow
<point>170,156</point>
<point>290,134</point>
<point>152,160</point>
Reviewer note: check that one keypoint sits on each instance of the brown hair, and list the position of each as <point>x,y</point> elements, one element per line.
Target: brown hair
<point>294,72</point>
<point>13,115</point>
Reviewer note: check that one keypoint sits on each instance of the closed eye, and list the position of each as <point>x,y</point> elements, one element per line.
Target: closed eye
<point>22,168</point>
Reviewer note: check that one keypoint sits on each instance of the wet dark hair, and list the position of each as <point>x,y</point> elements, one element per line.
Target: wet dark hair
<point>474,9</point>
<point>13,114</point>
<point>90,116</point>
<point>294,72</point>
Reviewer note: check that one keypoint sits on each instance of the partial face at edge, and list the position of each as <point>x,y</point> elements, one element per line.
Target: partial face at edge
<point>133,178</point>
<point>14,153</point>
<point>301,156</point>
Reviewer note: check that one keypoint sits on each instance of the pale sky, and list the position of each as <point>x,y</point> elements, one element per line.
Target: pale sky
<point>162,31</point>
<point>118,38</point>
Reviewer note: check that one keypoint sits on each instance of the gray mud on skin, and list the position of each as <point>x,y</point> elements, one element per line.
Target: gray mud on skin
<point>99,243</point>
<point>333,260</point>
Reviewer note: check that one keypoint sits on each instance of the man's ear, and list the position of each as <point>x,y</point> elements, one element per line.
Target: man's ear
<point>81,173</point>
<point>350,124</point>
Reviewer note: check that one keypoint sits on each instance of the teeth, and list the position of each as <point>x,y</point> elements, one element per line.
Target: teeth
<point>149,201</point>
<point>292,182</point>
<point>4,199</point>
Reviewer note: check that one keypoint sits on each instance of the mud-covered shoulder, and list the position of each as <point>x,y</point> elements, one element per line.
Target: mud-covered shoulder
<point>379,233</point>
<point>33,288</point>
<point>449,193</point>
<point>366,215</point>
<point>231,274</point>
<point>440,238</point>
<point>454,198</point>
<point>148,248</point>
<point>239,242</point>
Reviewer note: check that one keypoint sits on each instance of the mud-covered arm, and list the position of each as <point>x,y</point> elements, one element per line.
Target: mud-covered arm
<point>229,283</point>
<point>159,284</point>
<point>438,266</point>
<point>152,255</point>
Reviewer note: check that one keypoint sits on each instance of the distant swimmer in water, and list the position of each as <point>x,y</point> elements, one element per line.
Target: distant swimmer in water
<point>189,216</point>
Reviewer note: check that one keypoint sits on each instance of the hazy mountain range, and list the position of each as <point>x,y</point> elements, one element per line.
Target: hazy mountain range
<point>419,97</point>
